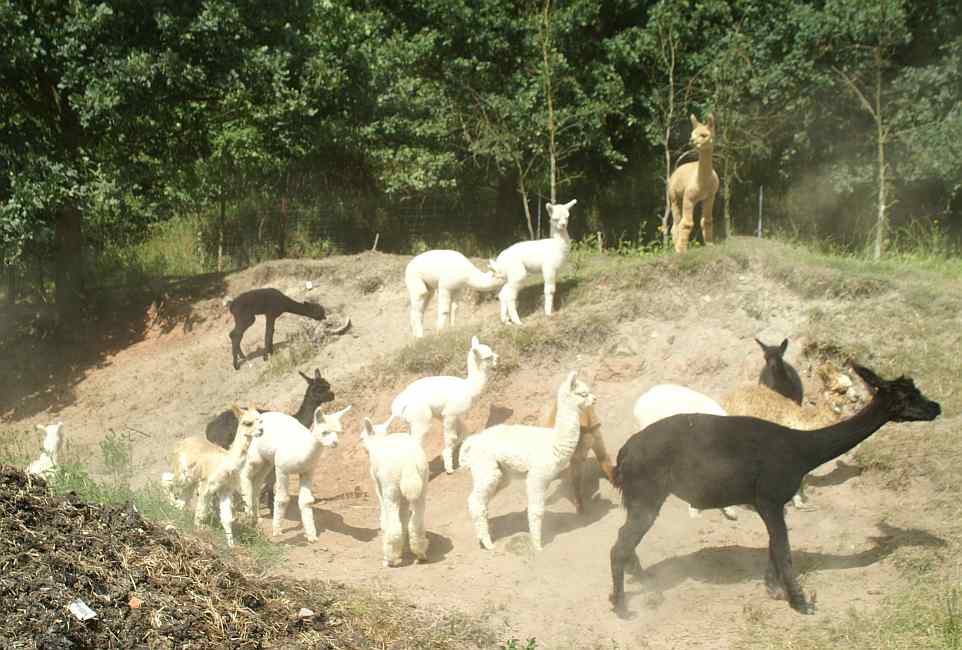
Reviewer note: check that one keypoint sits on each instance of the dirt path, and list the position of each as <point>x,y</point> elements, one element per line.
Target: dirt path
<point>705,585</point>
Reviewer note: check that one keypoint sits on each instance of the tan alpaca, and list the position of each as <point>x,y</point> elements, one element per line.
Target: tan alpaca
<point>590,440</point>
<point>693,183</point>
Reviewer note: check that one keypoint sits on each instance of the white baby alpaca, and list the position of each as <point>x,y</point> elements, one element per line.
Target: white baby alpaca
<point>448,272</point>
<point>506,451</point>
<point>49,457</point>
<point>399,470</point>
<point>544,255</point>
<point>446,398</point>
<point>292,449</point>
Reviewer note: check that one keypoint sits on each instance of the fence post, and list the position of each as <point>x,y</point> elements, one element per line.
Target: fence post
<point>761,195</point>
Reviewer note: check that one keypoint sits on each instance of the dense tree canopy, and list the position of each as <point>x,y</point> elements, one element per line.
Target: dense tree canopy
<point>114,115</point>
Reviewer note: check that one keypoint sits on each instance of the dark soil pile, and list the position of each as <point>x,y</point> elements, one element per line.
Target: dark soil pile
<point>149,587</point>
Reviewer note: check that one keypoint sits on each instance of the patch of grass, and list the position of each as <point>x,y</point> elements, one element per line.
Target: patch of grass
<point>18,447</point>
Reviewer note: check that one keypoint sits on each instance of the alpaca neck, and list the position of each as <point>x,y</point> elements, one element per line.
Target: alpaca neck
<point>477,377</point>
<point>305,413</point>
<point>481,281</point>
<point>822,445</point>
<point>704,162</point>
<point>567,431</point>
<point>561,234</point>
<point>238,449</point>
<point>299,308</point>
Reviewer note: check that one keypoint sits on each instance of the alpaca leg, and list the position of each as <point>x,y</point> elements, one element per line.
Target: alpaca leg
<point>417,536</point>
<point>246,480</point>
<point>268,489</point>
<point>505,298</point>
<point>281,499</point>
<point>392,532</point>
<point>455,299</point>
<point>535,488</point>
<point>487,478</point>
<point>241,323</point>
<point>419,301</point>
<point>550,284</point>
<point>800,501</point>
<point>269,334</point>
<point>683,230</point>
<point>304,500</point>
<point>227,517</point>
<point>707,219</point>
<point>444,308</point>
<point>781,554</point>
<point>200,506</point>
<point>451,436</point>
<point>641,515</point>
<point>601,454</point>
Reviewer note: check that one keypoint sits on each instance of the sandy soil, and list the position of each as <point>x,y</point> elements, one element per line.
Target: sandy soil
<point>706,574</point>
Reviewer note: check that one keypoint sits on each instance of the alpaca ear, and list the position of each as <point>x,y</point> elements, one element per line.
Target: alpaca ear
<point>550,207</point>
<point>761,345</point>
<point>317,374</point>
<point>338,415</point>
<point>475,342</point>
<point>711,121</point>
<point>572,378</point>
<point>868,376</point>
<point>306,378</point>
<point>783,347</point>
<point>694,121</point>
<point>318,416</point>
<point>368,427</point>
<point>237,410</point>
<point>570,204</point>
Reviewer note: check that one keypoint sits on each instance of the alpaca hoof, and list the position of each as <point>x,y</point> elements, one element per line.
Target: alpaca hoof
<point>729,514</point>
<point>486,544</point>
<point>806,608</point>
<point>420,559</point>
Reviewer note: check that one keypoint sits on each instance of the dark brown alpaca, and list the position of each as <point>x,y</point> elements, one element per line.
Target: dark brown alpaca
<point>714,461</point>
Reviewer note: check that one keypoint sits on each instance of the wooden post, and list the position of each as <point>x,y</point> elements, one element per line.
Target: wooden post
<point>761,195</point>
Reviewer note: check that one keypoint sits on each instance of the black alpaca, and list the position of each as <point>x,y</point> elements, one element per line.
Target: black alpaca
<point>271,303</point>
<point>714,461</point>
<point>779,375</point>
<point>222,429</point>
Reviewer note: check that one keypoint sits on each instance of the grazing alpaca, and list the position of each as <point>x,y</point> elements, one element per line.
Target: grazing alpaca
<point>272,303</point>
<point>49,458</point>
<point>590,439</point>
<point>205,470</point>
<point>779,375</point>
<point>292,449</point>
<point>713,461</point>
<point>664,400</point>
<point>448,272</point>
<point>694,183</point>
<point>446,398</point>
<point>506,451</point>
<point>544,255</point>
<point>221,429</point>
<point>399,470</point>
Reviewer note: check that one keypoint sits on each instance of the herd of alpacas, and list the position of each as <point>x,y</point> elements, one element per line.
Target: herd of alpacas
<point>752,449</point>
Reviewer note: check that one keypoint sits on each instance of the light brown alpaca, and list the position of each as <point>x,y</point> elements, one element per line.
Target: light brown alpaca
<point>590,439</point>
<point>693,183</point>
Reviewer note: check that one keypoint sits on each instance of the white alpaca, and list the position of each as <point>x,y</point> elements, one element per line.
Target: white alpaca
<point>206,470</point>
<point>665,400</point>
<point>448,272</point>
<point>506,451</point>
<point>292,449</point>
<point>544,255</point>
<point>399,470</point>
<point>446,398</point>
<point>49,458</point>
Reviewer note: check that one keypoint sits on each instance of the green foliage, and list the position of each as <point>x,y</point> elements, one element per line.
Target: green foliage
<point>515,644</point>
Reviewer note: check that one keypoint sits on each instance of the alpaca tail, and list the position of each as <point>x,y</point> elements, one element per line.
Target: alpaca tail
<point>412,481</point>
<point>616,478</point>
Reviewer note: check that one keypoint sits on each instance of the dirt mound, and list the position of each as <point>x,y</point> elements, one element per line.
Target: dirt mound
<point>148,586</point>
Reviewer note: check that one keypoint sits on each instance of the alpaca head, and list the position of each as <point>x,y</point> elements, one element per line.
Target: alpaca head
<point>903,401</point>
<point>372,430</point>
<point>482,355</point>
<point>249,424</point>
<point>318,389</point>
<point>559,213</point>
<point>702,135</point>
<point>314,310</point>
<point>52,438</point>
<point>327,427</point>
<point>773,356</point>
<point>573,390</point>
<point>493,276</point>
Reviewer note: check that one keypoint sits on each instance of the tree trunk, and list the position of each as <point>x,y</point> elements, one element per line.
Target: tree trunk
<point>549,97</point>
<point>727,196</point>
<point>881,220</point>
<point>68,247</point>
<point>282,235</point>
<point>523,191</point>
<point>220,234</point>
<point>665,238</point>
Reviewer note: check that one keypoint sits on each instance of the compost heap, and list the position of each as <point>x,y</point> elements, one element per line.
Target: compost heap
<point>148,586</point>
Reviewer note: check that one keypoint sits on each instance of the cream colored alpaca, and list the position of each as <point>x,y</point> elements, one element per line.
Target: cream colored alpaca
<point>506,451</point>
<point>399,470</point>
<point>694,183</point>
<point>206,470</point>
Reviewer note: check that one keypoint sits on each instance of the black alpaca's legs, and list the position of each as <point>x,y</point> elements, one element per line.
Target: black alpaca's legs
<point>640,518</point>
<point>781,556</point>
<point>269,335</point>
<point>241,324</point>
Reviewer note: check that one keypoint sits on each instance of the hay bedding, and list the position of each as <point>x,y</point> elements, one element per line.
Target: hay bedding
<point>149,587</point>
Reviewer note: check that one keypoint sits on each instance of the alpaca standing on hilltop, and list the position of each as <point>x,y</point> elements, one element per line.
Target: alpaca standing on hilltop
<point>50,447</point>
<point>778,374</point>
<point>271,303</point>
<point>505,451</point>
<point>448,272</point>
<point>694,183</point>
<point>712,461</point>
